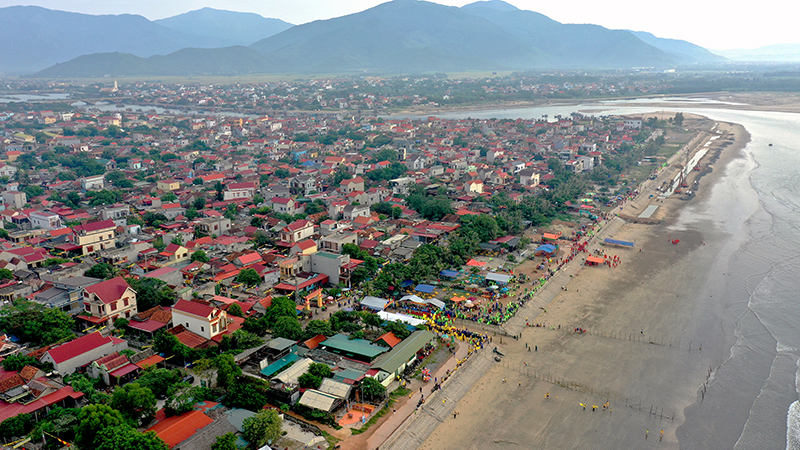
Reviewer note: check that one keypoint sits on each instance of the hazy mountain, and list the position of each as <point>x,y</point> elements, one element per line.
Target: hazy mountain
<point>412,35</point>
<point>683,49</point>
<point>770,53</point>
<point>189,61</point>
<point>398,36</point>
<point>34,38</point>
<point>403,35</point>
<point>572,45</point>
<point>226,27</point>
<point>499,5</point>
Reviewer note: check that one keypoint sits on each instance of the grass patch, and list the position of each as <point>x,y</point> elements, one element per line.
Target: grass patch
<point>332,440</point>
<point>400,392</point>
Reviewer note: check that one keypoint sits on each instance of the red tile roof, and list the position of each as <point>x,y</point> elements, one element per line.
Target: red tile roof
<point>177,429</point>
<point>94,226</point>
<point>76,347</point>
<point>194,308</point>
<point>110,290</point>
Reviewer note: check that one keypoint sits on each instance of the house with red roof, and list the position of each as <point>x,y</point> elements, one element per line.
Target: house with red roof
<point>173,254</point>
<point>107,301</point>
<point>297,231</point>
<point>200,318</point>
<point>239,191</point>
<point>305,247</point>
<point>286,206</point>
<point>95,236</point>
<point>81,351</point>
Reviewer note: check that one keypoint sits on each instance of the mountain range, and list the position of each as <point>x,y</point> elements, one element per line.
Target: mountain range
<point>400,36</point>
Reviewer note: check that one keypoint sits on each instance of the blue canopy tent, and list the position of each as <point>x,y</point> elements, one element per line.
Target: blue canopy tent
<point>425,288</point>
<point>406,283</point>
<point>448,274</point>
<point>618,242</point>
<point>547,249</point>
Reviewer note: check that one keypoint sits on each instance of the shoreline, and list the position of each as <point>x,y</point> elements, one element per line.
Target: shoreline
<point>634,369</point>
<point>749,101</point>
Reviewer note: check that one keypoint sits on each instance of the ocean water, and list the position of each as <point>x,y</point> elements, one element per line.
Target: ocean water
<point>748,316</point>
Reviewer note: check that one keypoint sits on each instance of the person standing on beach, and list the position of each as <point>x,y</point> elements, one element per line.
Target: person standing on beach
<point>646,433</point>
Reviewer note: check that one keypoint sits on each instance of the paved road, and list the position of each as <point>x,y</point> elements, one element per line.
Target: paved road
<point>416,429</point>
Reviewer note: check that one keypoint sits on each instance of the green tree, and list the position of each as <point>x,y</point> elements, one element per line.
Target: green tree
<point>263,428</point>
<point>91,420</point>
<point>245,393</point>
<point>320,370</point>
<point>288,327</point>
<point>136,403</point>
<point>16,426</point>
<point>88,386</point>
<point>199,203</point>
<point>169,197</point>
<point>227,370</point>
<point>280,307</point>
<point>17,362</point>
<point>219,188</point>
<point>316,327</point>
<point>123,437</point>
<point>182,399</point>
<point>33,190</point>
<point>6,274</point>
<point>102,271</point>
<point>309,381</point>
<point>151,292</point>
<point>340,175</point>
<point>159,381</point>
<point>249,277</point>
<point>226,441</point>
<point>34,323</point>
<point>372,388</point>
<point>678,120</point>
<point>235,310</point>
<point>200,255</point>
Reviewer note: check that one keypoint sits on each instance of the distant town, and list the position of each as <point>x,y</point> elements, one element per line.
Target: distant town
<point>183,278</point>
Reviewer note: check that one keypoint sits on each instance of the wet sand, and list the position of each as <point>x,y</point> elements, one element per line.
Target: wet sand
<point>646,324</point>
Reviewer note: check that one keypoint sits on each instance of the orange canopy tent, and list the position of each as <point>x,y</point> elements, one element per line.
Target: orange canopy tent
<point>458,299</point>
<point>550,236</point>
<point>472,262</point>
<point>594,260</point>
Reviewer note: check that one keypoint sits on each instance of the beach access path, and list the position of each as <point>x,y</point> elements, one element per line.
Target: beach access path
<point>412,426</point>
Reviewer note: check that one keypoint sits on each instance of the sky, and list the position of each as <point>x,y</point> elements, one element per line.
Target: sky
<point>709,23</point>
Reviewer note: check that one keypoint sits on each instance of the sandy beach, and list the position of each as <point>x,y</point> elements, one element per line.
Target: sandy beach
<point>648,347</point>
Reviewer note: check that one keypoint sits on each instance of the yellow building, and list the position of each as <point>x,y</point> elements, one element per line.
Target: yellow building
<point>168,185</point>
<point>95,236</point>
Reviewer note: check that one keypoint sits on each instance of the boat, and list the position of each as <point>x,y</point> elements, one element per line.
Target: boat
<point>770,144</point>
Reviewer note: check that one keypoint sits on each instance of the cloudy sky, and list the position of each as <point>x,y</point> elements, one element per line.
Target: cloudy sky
<point>711,24</point>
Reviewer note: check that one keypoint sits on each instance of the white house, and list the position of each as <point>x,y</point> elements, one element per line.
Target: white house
<point>81,351</point>
<point>200,318</point>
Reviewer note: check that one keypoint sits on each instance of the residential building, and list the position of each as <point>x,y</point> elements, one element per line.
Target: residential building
<point>350,212</point>
<point>95,236</point>
<point>286,206</point>
<point>352,185</point>
<point>335,242</point>
<point>15,199</point>
<point>81,351</point>
<point>168,185</point>
<point>107,301</point>
<point>238,191</point>
<point>94,183</point>
<point>45,220</point>
<point>214,226</point>
<point>297,231</point>
<point>66,294</point>
<point>200,318</point>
